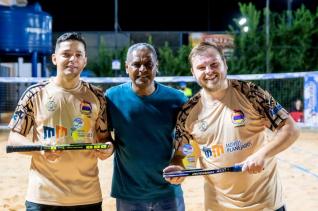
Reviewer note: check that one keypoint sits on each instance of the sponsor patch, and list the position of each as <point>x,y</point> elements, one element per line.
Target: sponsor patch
<point>187,149</point>
<point>51,105</point>
<point>78,123</point>
<point>238,118</point>
<point>203,126</point>
<point>276,109</point>
<point>86,107</point>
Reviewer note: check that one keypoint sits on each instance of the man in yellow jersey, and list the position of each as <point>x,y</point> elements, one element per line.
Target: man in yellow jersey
<point>228,119</point>
<point>63,110</point>
<point>186,90</point>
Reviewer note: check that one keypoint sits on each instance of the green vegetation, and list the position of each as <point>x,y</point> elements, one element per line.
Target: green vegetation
<point>293,47</point>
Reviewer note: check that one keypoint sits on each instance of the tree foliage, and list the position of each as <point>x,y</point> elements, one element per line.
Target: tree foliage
<point>292,47</point>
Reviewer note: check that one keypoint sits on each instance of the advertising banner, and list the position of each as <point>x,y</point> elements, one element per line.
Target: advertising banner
<point>311,100</point>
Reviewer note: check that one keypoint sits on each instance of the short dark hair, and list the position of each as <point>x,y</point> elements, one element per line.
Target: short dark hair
<point>202,47</point>
<point>70,36</point>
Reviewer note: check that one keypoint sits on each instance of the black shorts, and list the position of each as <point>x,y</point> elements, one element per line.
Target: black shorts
<point>30,206</point>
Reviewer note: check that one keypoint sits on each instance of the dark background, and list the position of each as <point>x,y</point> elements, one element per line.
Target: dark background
<point>153,15</point>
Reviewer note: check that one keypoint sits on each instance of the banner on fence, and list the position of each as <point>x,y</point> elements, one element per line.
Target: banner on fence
<point>311,100</point>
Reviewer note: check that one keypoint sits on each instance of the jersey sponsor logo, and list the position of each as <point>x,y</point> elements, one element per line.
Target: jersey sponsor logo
<point>48,132</point>
<point>17,115</point>
<point>82,129</point>
<point>276,109</point>
<point>86,107</point>
<point>215,150</point>
<point>203,126</point>
<point>59,131</point>
<point>51,105</point>
<point>236,145</point>
<point>238,118</point>
<point>187,149</point>
<point>78,123</point>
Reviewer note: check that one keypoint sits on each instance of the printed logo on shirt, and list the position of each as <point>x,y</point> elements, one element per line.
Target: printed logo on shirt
<point>187,149</point>
<point>276,109</point>
<point>48,132</point>
<point>215,150</point>
<point>86,107</point>
<point>236,145</point>
<point>81,130</point>
<point>59,131</point>
<point>203,126</point>
<point>17,115</point>
<point>78,123</point>
<point>51,105</point>
<point>238,118</point>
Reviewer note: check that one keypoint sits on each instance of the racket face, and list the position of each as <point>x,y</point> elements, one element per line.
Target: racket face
<point>198,172</point>
<point>84,146</point>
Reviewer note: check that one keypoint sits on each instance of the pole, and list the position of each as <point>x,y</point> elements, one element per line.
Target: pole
<point>267,44</point>
<point>116,16</point>
<point>34,64</point>
<point>289,12</point>
<point>116,30</point>
<point>267,38</point>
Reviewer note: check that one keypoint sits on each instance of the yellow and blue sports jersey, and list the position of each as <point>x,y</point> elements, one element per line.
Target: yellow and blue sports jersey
<point>227,132</point>
<point>62,116</point>
<point>144,129</point>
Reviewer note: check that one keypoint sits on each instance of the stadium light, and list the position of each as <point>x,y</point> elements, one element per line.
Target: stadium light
<point>245,29</point>
<point>242,21</point>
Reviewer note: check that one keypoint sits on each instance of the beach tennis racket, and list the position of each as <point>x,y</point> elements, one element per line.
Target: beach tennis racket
<point>77,146</point>
<point>198,172</point>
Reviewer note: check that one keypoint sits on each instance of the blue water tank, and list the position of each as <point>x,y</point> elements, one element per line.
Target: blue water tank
<point>24,30</point>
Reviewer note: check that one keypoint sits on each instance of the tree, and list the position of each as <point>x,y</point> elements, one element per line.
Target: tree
<point>249,54</point>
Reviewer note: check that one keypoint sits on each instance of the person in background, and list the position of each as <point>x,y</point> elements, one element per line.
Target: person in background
<point>297,113</point>
<point>63,110</point>
<point>142,114</point>
<point>228,119</point>
<point>186,90</point>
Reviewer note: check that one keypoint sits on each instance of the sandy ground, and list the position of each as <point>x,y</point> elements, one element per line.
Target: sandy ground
<point>298,170</point>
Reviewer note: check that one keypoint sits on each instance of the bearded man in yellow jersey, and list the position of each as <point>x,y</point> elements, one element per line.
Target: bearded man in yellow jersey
<point>229,120</point>
<point>63,110</point>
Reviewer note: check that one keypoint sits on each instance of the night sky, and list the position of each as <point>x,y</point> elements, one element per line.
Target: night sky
<point>153,15</point>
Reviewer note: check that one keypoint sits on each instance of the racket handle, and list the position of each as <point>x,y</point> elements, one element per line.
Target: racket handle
<point>237,168</point>
<point>10,149</point>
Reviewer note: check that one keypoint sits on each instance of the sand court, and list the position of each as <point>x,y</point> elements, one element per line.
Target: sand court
<point>298,168</point>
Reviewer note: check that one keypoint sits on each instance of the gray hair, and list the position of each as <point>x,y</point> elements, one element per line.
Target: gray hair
<point>138,46</point>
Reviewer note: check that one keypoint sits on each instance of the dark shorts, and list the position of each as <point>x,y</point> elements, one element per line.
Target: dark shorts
<point>30,206</point>
<point>281,209</point>
<point>171,204</point>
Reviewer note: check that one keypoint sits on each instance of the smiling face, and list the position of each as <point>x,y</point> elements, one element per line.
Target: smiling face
<point>141,66</point>
<point>209,69</point>
<point>70,59</point>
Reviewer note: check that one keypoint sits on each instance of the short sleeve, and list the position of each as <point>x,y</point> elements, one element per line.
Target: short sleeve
<point>182,136</point>
<point>23,116</point>
<point>269,109</point>
<point>101,125</point>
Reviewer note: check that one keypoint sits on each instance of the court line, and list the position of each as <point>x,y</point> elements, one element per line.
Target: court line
<point>299,167</point>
